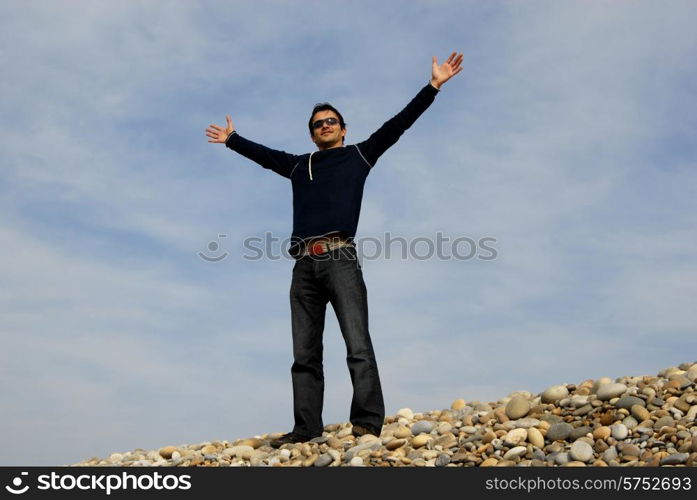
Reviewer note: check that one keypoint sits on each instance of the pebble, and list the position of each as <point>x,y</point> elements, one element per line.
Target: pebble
<point>561,458</point>
<point>619,431</point>
<point>675,459</point>
<point>611,390</point>
<point>628,449</point>
<point>515,437</point>
<point>579,432</point>
<point>627,402</point>
<point>603,432</point>
<point>457,404</point>
<point>664,421</point>
<point>559,431</point>
<point>517,407</point>
<point>167,451</point>
<point>554,393</point>
<point>515,452</point>
<point>535,437</point>
<point>420,440</point>
<point>402,432</point>
<point>640,413</point>
<point>422,426</point>
<point>610,454</point>
<point>405,413</point>
<point>581,451</point>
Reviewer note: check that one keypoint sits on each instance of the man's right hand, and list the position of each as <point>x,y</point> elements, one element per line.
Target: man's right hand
<point>220,134</point>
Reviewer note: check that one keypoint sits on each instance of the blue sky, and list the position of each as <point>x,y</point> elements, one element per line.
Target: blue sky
<point>569,137</point>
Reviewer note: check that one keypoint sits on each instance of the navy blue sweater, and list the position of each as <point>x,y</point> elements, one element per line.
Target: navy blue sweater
<point>328,184</point>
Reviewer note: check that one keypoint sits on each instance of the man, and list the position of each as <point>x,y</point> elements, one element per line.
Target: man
<point>327,192</point>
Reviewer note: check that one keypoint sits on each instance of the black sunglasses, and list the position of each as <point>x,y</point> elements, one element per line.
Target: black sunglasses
<point>328,121</point>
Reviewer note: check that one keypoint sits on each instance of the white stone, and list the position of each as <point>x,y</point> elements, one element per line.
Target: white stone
<point>405,413</point>
<point>516,436</point>
<point>581,451</point>
<point>514,453</point>
<point>619,431</point>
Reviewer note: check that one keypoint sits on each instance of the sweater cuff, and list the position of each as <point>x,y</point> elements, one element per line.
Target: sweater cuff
<point>234,132</point>
<point>432,87</point>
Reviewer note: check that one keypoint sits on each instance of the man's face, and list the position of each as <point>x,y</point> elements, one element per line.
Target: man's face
<point>327,136</point>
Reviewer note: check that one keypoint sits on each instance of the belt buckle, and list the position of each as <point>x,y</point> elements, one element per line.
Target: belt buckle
<point>317,248</point>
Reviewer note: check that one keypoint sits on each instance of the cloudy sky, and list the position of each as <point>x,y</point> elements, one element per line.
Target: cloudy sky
<point>569,138</point>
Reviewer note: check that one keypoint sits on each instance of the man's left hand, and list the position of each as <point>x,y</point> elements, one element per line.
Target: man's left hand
<point>444,72</point>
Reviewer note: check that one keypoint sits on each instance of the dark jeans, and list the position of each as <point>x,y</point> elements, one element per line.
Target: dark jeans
<point>334,277</point>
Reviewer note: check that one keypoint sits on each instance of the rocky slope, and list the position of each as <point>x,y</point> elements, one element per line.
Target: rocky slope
<point>631,421</point>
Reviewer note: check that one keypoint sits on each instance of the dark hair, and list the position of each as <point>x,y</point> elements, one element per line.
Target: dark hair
<point>325,106</point>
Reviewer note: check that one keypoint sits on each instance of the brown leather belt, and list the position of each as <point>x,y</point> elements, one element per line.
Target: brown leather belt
<point>318,247</point>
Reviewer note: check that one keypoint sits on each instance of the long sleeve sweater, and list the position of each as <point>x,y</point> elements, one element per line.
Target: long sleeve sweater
<point>328,184</point>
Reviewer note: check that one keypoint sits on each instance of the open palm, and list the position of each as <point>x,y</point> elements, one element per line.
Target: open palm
<point>220,134</point>
<point>444,72</point>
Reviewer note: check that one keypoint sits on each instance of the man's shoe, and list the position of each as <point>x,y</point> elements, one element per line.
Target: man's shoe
<point>362,430</point>
<point>290,438</point>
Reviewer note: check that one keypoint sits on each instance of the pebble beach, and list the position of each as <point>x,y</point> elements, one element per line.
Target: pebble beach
<point>630,421</point>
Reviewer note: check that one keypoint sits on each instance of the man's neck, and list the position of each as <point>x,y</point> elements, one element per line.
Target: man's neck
<point>339,145</point>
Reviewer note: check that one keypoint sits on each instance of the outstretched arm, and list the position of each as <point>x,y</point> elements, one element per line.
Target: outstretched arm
<point>279,161</point>
<point>391,130</point>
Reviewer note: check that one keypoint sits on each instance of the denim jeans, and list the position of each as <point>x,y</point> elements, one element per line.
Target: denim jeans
<point>334,277</point>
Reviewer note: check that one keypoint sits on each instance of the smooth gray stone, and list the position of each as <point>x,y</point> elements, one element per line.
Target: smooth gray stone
<point>559,431</point>
<point>663,421</point>
<point>579,432</point>
<point>611,390</point>
<point>422,426</point>
<point>351,452</point>
<point>515,452</point>
<point>552,419</point>
<point>675,459</point>
<point>539,455</point>
<point>562,458</point>
<point>442,460</point>
<point>323,460</point>
<point>630,422</point>
<point>587,408</point>
<point>610,454</point>
<point>526,423</point>
<point>627,402</point>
